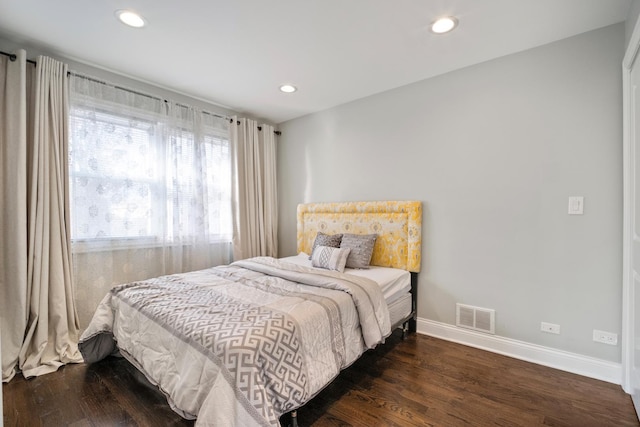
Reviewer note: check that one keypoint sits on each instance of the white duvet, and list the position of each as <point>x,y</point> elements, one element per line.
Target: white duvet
<point>240,345</point>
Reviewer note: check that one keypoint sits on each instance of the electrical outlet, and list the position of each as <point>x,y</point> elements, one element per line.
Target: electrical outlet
<point>551,328</point>
<point>576,205</point>
<point>605,337</point>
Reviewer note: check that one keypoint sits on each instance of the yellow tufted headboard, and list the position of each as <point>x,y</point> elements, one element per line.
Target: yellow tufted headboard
<point>398,225</point>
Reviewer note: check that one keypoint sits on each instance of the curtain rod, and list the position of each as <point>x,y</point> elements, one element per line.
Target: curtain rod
<point>126,89</point>
<point>13,57</point>
<point>93,79</point>
<point>277,132</point>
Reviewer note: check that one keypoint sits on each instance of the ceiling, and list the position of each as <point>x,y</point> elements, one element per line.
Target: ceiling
<point>236,53</point>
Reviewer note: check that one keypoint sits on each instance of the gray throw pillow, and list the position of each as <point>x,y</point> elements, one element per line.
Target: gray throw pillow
<point>361,246</point>
<point>322,239</point>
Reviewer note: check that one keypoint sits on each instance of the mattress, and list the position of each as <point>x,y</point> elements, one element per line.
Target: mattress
<point>400,309</point>
<point>394,283</point>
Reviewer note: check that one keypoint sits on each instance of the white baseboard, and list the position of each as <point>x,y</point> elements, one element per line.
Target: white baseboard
<point>558,359</point>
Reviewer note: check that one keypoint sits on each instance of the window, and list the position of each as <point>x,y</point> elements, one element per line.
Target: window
<point>116,181</point>
<point>147,178</point>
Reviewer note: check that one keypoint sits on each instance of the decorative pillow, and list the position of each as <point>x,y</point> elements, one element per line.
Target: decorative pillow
<point>361,246</point>
<point>330,240</point>
<point>330,258</point>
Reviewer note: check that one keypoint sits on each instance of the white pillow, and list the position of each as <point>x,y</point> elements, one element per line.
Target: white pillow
<point>330,258</point>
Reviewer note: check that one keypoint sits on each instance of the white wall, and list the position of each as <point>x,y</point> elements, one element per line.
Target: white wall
<point>630,23</point>
<point>493,151</point>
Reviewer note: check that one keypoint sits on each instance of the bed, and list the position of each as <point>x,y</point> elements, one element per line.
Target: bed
<point>245,343</point>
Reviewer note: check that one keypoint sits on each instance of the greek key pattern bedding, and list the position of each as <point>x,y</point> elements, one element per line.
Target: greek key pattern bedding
<point>265,282</point>
<point>257,346</point>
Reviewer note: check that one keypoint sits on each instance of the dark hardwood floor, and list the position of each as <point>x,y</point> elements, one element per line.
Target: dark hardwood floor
<point>421,381</point>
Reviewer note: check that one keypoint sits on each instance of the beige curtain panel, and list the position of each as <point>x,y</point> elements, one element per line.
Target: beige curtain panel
<point>13,215</point>
<point>39,325</point>
<point>255,231</point>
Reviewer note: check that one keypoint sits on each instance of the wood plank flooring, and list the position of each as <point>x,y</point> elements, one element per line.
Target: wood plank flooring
<point>421,381</point>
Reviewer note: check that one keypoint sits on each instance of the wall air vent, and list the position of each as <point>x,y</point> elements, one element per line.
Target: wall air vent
<point>476,318</point>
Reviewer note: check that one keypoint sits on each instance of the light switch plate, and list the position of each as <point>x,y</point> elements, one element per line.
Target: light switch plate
<point>576,205</point>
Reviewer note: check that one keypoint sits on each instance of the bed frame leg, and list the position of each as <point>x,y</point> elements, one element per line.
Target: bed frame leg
<point>405,330</point>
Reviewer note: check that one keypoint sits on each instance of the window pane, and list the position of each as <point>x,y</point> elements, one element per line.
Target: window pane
<point>142,181</point>
<point>219,187</point>
<point>114,176</point>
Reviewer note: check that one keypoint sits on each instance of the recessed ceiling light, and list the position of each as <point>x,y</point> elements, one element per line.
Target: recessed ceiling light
<point>288,88</point>
<point>444,25</point>
<point>130,18</point>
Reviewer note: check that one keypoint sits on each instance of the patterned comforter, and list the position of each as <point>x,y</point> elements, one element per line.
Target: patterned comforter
<point>240,344</point>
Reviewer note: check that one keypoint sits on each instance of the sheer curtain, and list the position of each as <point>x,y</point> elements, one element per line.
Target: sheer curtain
<point>38,313</point>
<point>255,190</point>
<point>150,188</point>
